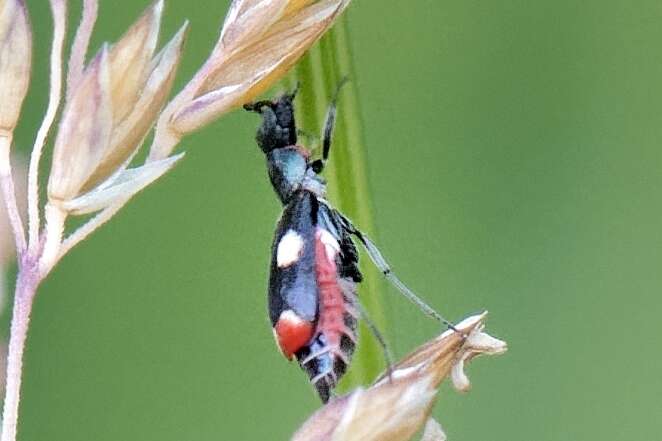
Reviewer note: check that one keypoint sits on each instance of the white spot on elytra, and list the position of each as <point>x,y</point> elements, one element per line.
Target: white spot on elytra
<point>331,245</point>
<point>290,317</point>
<point>290,249</point>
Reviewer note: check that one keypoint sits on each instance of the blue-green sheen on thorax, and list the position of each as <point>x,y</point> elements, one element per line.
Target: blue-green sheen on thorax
<point>287,169</point>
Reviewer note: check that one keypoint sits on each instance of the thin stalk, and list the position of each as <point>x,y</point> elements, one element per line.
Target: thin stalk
<point>9,193</point>
<point>59,9</point>
<point>318,74</point>
<point>53,232</point>
<point>26,286</point>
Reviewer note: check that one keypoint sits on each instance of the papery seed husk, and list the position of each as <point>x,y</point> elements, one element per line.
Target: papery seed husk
<point>246,22</point>
<point>439,354</point>
<point>320,426</point>
<point>84,132</point>
<point>249,72</point>
<point>393,411</point>
<point>15,60</point>
<point>294,5</point>
<point>433,431</point>
<point>128,136</point>
<point>121,188</point>
<point>388,412</point>
<point>130,59</point>
<point>285,40</point>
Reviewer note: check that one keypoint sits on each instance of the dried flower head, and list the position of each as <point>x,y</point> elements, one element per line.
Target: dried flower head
<point>399,403</point>
<point>108,114</point>
<point>259,42</point>
<point>15,60</point>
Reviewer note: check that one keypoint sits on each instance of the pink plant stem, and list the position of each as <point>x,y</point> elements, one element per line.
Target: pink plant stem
<point>9,193</point>
<point>59,9</point>
<point>26,287</point>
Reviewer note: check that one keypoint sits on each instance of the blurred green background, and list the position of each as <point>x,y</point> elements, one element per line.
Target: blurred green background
<point>514,154</point>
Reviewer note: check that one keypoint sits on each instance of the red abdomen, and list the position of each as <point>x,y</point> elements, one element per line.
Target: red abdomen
<point>332,306</point>
<point>328,354</point>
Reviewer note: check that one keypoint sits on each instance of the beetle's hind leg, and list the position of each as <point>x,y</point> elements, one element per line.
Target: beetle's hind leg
<point>388,357</point>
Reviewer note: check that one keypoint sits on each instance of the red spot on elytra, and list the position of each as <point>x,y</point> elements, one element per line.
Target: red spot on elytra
<point>292,333</point>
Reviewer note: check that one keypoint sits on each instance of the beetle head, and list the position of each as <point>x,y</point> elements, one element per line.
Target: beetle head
<point>278,128</point>
<point>277,137</point>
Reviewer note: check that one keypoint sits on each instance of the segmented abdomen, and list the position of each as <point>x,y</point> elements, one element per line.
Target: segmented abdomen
<point>327,356</point>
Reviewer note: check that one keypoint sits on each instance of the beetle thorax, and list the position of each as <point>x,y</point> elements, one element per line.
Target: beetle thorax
<point>290,170</point>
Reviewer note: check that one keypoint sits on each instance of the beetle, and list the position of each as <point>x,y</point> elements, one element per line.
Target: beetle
<point>314,270</point>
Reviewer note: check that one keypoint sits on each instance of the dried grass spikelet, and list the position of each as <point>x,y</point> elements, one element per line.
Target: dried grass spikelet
<point>108,114</point>
<point>260,40</point>
<point>396,407</point>
<point>15,60</point>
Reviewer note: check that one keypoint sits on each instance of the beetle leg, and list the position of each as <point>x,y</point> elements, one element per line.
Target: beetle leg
<point>381,263</point>
<point>388,357</point>
<point>315,355</point>
<point>324,375</point>
<point>329,125</point>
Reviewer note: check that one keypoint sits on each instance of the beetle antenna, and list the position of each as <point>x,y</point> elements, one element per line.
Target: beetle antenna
<point>257,106</point>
